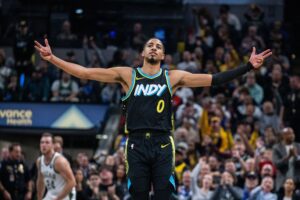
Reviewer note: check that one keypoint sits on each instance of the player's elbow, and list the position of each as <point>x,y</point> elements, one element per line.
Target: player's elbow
<point>83,74</point>
<point>72,183</point>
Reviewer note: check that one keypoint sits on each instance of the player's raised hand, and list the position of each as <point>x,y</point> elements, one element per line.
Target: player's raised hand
<point>45,51</point>
<point>258,59</point>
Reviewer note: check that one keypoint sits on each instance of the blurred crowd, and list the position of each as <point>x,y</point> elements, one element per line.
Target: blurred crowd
<point>237,141</point>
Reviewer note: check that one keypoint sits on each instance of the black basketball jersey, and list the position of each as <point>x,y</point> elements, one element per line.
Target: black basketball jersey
<point>148,102</point>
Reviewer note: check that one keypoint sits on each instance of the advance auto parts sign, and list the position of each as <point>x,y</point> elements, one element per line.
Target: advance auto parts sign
<point>56,116</point>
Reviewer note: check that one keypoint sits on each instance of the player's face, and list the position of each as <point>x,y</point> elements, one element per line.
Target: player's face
<point>153,51</point>
<point>46,144</point>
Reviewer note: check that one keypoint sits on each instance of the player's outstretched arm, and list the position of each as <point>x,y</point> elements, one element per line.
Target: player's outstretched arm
<point>185,79</point>
<point>110,75</point>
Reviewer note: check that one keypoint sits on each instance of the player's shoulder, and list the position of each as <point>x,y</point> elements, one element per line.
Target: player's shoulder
<point>123,69</point>
<point>60,162</point>
<point>176,74</point>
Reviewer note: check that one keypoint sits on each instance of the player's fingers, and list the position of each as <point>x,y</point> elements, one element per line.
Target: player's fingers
<point>253,51</point>
<point>37,48</point>
<point>267,55</point>
<point>265,52</point>
<point>37,44</point>
<point>46,42</point>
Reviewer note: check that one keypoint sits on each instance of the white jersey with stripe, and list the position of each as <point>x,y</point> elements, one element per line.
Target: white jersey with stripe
<point>53,181</point>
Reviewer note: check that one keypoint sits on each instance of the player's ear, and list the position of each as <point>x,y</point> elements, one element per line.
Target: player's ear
<point>143,53</point>
<point>163,56</point>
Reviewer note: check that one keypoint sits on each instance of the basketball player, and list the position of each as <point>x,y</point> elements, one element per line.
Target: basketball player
<point>54,173</point>
<point>150,149</point>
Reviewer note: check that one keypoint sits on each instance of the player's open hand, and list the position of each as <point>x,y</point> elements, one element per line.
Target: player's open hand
<point>258,59</point>
<point>45,51</point>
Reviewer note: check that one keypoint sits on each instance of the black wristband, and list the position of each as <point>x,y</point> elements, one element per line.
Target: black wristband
<point>229,75</point>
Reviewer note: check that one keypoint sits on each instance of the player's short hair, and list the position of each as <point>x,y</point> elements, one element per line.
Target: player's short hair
<point>163,46</point>
<point>47,134</point>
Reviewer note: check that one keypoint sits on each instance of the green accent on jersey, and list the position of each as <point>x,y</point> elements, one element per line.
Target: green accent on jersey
<point>131,86</point>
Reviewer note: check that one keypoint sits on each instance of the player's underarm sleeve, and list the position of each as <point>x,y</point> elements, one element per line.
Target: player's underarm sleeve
<point>223,77</point>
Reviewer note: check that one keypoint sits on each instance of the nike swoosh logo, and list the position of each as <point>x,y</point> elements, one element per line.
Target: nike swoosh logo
<point>164,145</point>
<point>137,78</point>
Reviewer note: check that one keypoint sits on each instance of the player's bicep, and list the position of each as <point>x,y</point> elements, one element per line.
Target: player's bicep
<point>62,167</point>
<point>109,75</point>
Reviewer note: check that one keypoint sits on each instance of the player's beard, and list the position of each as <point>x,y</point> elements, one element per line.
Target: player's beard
<point>152,60</point>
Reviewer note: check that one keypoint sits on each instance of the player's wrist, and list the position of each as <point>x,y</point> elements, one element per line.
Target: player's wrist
<point>250,66</point>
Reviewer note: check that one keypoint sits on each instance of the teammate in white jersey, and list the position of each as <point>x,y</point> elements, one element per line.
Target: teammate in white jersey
<point>54,173</point>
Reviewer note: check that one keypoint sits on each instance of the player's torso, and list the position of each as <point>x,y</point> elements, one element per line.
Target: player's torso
<point>148,101</point>
<point>53,181</point>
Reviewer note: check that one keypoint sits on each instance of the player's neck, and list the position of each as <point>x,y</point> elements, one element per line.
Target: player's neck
<point>49,155</point>
<point>150,69</point>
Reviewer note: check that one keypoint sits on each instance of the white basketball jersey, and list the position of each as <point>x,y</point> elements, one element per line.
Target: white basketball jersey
<point>53,181</point>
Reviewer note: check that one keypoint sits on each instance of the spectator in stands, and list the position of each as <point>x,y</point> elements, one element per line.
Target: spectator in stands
<point>81,186</point>
<point>64,89</point>
<point>58,143</point>
<point>180,164</point>
<point>5,72</point>
<point>38,87</point>
<point>264,191</point>
<point>121,182</point>
<point>226,189</point>
<point>270,137</point>
<point>12,90</point>
<point>286,158</point>
<point>251,181</point>
<point>137,38</point>
<point>15,182</point>
<point>201,185</point>
<point>49,72</point>
<point>4,154</point>
<point>66,32</point>
<point>84,164</point>
<point>230,17</point>
<point>189,109</point>
<point>288,190</point>
<point>292,106</point>
<point>93,190</point>
<point>71,56</point>
<point>168,63</point>
<point>97,58</point>
<point>255,16</point>
<point>23,49</point>
<point>276,89</point>
<point>231,57</point>
<point>279,36</point>
<point>185,190</point>
<point>255,90</point>
<point>269,117</point>
<point>107,184</point>
<point>280,58</point>
<point>265,164</point>
<point>187,63</point>
<point>111,94</point>
<point>86,92</point>
<point>221,138</point>
<point>219,56</point>
<point>213,163</point>
<point>252,39</point>
<point>119,59</point>
<point>184,94</point>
